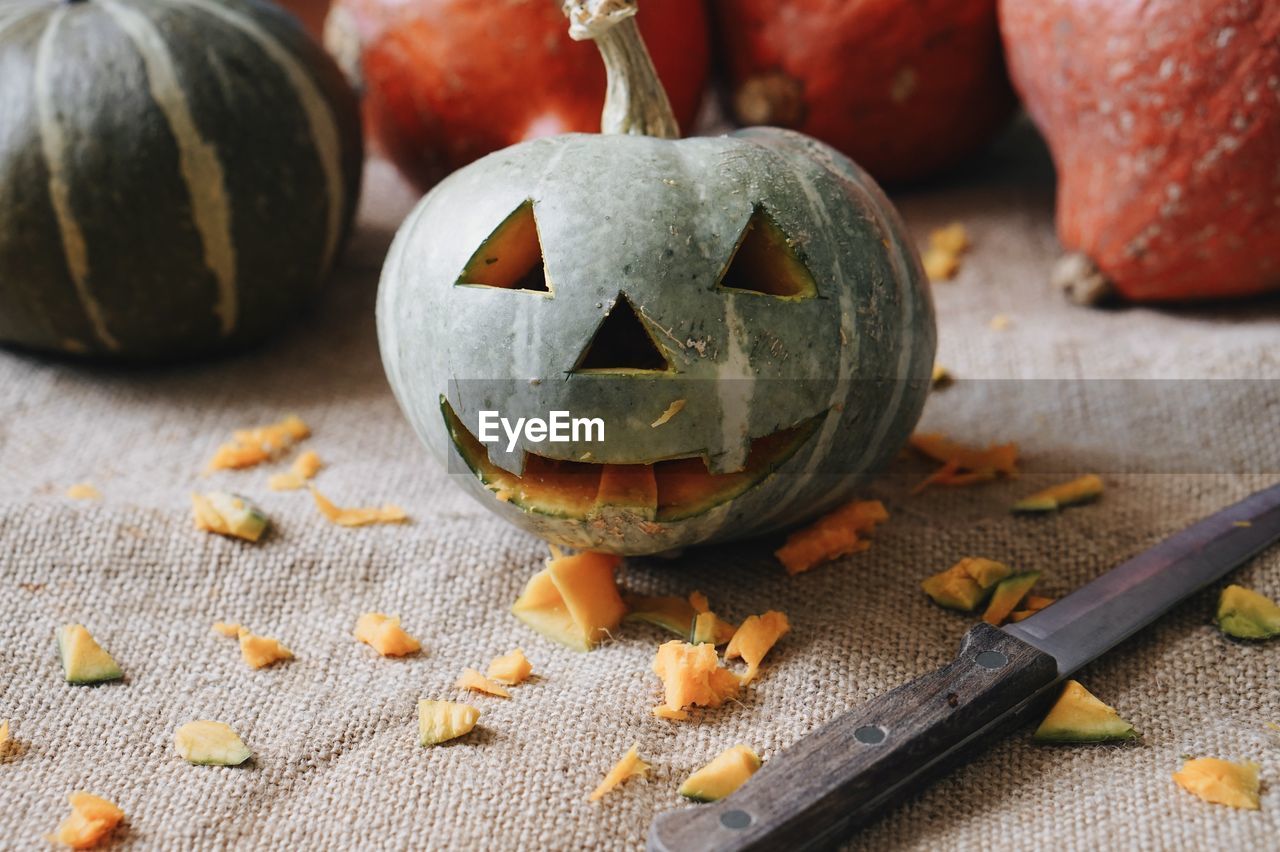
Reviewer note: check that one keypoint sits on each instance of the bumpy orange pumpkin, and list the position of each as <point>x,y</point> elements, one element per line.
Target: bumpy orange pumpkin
<point>447,81</point>
<point>1164,122</point>
<point>905,89</point>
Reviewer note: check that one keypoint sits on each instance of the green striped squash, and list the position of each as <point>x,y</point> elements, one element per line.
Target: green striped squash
<point>745,315</point>
<point>176,176</point>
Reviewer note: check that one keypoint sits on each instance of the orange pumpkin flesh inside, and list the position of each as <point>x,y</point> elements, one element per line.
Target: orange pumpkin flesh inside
<point>667,490</point>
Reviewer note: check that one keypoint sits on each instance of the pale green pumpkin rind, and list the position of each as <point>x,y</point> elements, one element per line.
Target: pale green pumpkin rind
<point>658,619</point>
<point>229,758</point>
<point>705,636</point>
<point>1083,718</point>
<point>1009,591</point>
<point>1246,627</point>
<point>81,674</point>
<point>657,220</point>
<point>1248,615</point>
<point>1040,503</point>
<point>1085,737</point>
<point>146,262</point>
<point>1035,505</point>
<point>245,520</point>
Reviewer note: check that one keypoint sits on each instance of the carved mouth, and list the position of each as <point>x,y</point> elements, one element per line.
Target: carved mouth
<point>663,490</point>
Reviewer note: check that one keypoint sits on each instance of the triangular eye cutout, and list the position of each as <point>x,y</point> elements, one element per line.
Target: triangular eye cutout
<point>622,344</point>
<point>765,262</point>
<point>510,258</point>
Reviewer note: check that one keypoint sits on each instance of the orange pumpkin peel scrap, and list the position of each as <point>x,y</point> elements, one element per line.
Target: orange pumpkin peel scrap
<point>251,447</point>
<point>832,536</point>
<point>963,465</point>
<point>358,517</point>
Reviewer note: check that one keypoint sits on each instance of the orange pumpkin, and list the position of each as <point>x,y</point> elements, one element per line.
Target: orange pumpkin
<point>310,12</point>
<point>447,81</point>
<point>905,89</point>
<point>1164,122</point>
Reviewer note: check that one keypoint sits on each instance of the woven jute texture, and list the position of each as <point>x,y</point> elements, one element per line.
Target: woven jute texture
<point>334,731</point>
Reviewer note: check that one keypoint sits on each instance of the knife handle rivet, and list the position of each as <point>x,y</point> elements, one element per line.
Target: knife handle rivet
<point>992,659</point>
<point>735,819</point>
<point>870,734</point>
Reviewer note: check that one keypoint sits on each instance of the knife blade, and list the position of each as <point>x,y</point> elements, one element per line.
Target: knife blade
<point>814,793</point>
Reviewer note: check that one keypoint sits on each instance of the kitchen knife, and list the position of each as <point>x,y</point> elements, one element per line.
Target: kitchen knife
<point>815,792</point>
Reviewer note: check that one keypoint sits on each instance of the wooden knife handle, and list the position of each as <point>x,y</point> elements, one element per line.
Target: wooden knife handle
<point>815,792</point>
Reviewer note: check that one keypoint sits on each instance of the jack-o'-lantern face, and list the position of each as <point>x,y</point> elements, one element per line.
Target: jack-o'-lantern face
<point>669,483</point>
<point>742,316</point>
<point>742,313</point>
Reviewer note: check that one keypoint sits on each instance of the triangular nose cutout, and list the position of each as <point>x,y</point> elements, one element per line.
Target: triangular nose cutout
<point>765,262</point>
<point>622,344</point>
<point>511,257</point>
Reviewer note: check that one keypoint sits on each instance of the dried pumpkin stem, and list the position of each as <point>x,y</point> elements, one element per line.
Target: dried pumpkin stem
<point>635,103</point>
<point>1081,281</point>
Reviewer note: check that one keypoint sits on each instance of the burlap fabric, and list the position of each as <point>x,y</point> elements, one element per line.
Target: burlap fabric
<point>336,759</point>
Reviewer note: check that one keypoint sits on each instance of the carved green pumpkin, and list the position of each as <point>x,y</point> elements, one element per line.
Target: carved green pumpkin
<point>745,315</point>
<point>176,176</point>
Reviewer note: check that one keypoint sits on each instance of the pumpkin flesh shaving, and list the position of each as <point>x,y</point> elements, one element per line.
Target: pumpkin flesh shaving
<point>253,446</point>
<point>1032,604</point>
<point>707,626</point>
<point>1221,782</point>
<point>473,680</point>
<point>664,490</point>
<point>304,468</point>
<point>757,635</point>
<point>941,259</point>
<point>691,675</point>
<point>208,743</point>
<point>574,600</point>
<point>384,634</point>
<point>722,776</point>
<point>388,514</point>
<point>630,766</point>
<point>441,721</point>
<point>262,651</point>
<point>963,465</point>
<point>832,536</point>
<point>510,668</point>
<point>92,819</point>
